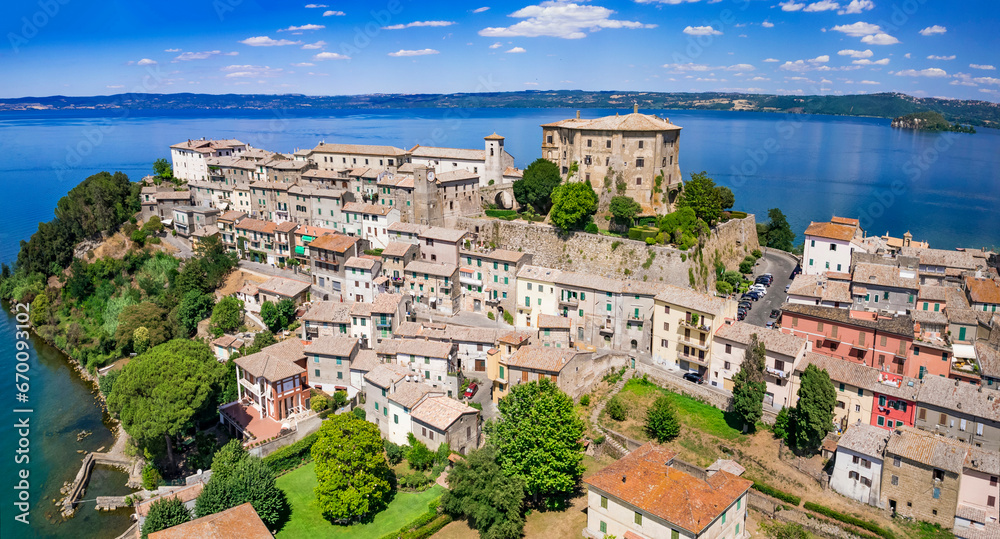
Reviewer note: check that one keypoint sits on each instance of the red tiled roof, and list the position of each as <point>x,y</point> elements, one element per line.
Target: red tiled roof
<point>240,522</point>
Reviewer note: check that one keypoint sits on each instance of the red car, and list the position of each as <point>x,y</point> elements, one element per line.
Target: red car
<point>471,390</point>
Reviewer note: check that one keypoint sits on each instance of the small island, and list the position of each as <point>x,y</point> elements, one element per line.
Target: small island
<point>929,121</point>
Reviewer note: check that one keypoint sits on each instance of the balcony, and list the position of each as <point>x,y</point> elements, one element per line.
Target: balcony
<point>570,303</point>
<point>607,329</point>
<point>255,389</point>
<point>525,308</point>
<point>635,318</point>
<point>699,327</point>
<point>693,358</point>
<point>471,281</point>
<point>700,345</point>
<point>776,373</point>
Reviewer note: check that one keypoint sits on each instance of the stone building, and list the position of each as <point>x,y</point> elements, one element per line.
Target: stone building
<point>960,411</point>
<point>633,149</point>
<point>921,475</point>
<point>329,361</point>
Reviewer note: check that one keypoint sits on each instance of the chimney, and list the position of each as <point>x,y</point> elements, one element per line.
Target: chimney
<point>623,479</point>
<point>577,115</point>
<point>635,107</point>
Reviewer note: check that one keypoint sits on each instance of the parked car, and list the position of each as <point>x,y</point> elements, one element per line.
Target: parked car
<point>746,305</point>
<point>741,315</point>
<point>754,295</point>
<point>787,286</point>
<point>775,313</point>
<point>693,377</point>
<point>760,288</point>
<point>471,390</point>
<point>770,325</point>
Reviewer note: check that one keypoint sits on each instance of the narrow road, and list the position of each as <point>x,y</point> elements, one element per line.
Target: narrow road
<point>780,266</point>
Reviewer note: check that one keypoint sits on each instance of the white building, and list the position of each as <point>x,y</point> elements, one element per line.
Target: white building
<point>536,294</point>
<point>489,164</point>
<point>828,245</point>
<point>189,159</point>
<point>370,222</point>
<point>359,278</point>
<point>783,352</point>
<point>857,470</point>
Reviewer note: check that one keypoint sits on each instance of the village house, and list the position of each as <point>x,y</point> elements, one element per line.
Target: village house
<point>277,289</point>
<point>783,352</point>
<point>438,419</point>
<point>329,360</point>
<point>486,165</point>
<point>434,285</point>
<point>855,384</point>
<point>829,289</point>
<point>336,157</point>
<point>188,219</point>
<point>405,232</point>
<point>359,278</point>
<point>284,242</point>
<point>940,265</point>
<point>983,293</point>
<point>269,201</point>
<point>894,401</point>
<point>255,240</point>
<point>565,367</point>
<point>225,346</point>
<point>317,206</point>
<point>536,294</point>
<point>328,254</point>
<point>432,362</point>
<point>644,495</point>
<point>395,257</point>
<point>877,287</point>
<point>490,278</point>
<point>325,319</point>
<point>555,331</point>
<point>829,245</point>
<point>190,159</point>
<point>388,311</point>
<point>369,222</point>
<point>227,228</point>
<point>440,245</point>
<point>921,475</point>
<point>978,493</point>
<point>959,410</point>
<point>363,363</point>
<point>162,204</point>
<point>300,239</point>
<point>684,325</point>
<point>240,521</point>
<point>857,471</point>
<point>390,393</point>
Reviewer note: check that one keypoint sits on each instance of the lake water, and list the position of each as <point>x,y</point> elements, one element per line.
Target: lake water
<point>944,188</point>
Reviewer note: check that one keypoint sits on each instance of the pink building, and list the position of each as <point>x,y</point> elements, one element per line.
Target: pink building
<point>895,401</point>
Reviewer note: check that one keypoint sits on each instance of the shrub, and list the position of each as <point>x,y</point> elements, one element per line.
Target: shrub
<point>491,316</point>
<point>615,244</point>
<point>746,267</point>
<point>849,519</point>
<point>616,409</point>
<point>757,254</point>
<point>775,493</point>
<point>318,403</point>
<point>723,288</point>
<point>414,480</point>
<point>642,232</point>
<point>591,228</point>
<point>661,420</point>
<point>507,317</point>
<point>291,456</point>
<point>585,400</point>
<point>358,412</point>
<point>394,452</point>
<point>501,213</point>
<point>738,214</point>
<point>150,476</point>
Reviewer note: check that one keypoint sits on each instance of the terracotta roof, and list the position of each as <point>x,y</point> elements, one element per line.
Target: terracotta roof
<point>386,303</point>
<point>240,522</point>
<point>962,397</point>
<point>232,215</point>
<point>989,359</point>
<point>173,195</point>
<point>542,358</point>
<point>249,289</point>
<point>864,439</point>
<point>397,248</point>
<point>206,231</point>
<point>361,309</point>
<point>845,221</point>
<point>942,257</point>
<point>281,286</point>
<point>513,172</point>
<point>548,321</point>
<point>227,341</point>
<point>930,317</point>
<point>842,371</point>
<point>831,231</point>
<point>338,243</point>
<point>384,375</point>
<point>388,347</point>
<point>447,332</point>
<point>455,176</point>
<point>930,292</point>
<point>256,225</point>
<point>443,234</point>
<point>431,152</point>
<point>774,341</point>
<point>360,263</point>
<point>431,268</point>
<point>193,144</point>
<point>588,281</point>
<point>627,122</point>
<point>331,346</point>
<point>370,209</point>
<point>440,412</point>
<point>645,479</point>
<point>927,449</point>
<point>425,348</point>
<point>365,361</point>
<point>360,149</point>
<point>271,368</point>
<point>881,275</point>
<point>538,273</point>
<point>409,394</point>
<point>286,227</point>
<point>514,337</point>
<point>982,290</point>
<point>900,324</point>
<point>683,297</point>
<point>494,136</point>
<point>726,465</point>
<point>328,311</point>
<point>266,185</point>
<point>406,228</point>
<point>185,494</point>
<point>500,255</point>
<point>313,231</point>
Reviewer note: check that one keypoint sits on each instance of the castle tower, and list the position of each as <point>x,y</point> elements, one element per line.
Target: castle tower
<point>494,160</point>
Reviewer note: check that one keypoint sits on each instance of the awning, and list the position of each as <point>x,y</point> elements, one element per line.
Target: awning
<point>307,239</point>
<point>963,351</point>
<point>300,250</point>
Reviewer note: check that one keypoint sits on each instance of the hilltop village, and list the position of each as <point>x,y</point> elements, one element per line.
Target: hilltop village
<point>417,289</point>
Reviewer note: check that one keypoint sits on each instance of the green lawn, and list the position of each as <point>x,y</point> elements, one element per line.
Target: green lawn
<point>691,413</point>
<point>307,521</point>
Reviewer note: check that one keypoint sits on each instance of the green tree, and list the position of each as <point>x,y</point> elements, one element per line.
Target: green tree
<point>749,384</point>
<point>260,341</point>
<point>162,168</point>
<point>572,205</point>
<point>165,513</point>
<point>153,225</point>
<point>243,479</point>
<point>140,339</point>
<point>393,453</point>
<point>726,197</point>
<point>661,420</point>
<point>107,382</point>
<point>723,287</point>
<point>351,469</point>
<point>227,315</point>
<point>616,409</point>
<point>270,316</point>
<point>783,427</point>
<point>318,403</point>
<point>537,438</point>
<point>162,392</point>
<point>40,310</point>
<point>226,458</point>
<point>147,315</point>
<point>535,187</point>
<point>624,209</point>
<point>778,233</point>
<point>419,456</point>
<point>490,501</point>
<point>701,195</point>
<point>193,308</point>
<point>813,414</point>
<point>286,312</point>
<point>734,278</point>
<point>151,476</point>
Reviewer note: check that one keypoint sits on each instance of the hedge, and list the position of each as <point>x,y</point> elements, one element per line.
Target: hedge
<point>850,519</point>
<point>737,214</point>
<point>501,213</point>
<point>290,457</point>
<point>641,233</point>
<point>779,494</point>
<point>423,526</point>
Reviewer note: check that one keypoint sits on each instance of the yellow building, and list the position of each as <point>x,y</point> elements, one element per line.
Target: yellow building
<point>497,358</point>
<point>853,382</point>
<point>684,323</point>
<point>536,294</point>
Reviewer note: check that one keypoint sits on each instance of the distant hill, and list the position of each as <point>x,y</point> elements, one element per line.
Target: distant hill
<point>883,105</point>
<point>929,121</point>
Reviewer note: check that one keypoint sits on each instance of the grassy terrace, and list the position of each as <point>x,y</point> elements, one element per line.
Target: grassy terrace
<point>307,521</point>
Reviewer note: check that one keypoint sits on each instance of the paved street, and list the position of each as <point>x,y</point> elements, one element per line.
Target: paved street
<point>781,266</point>
<point>182,245</point>
<point>272,271</point>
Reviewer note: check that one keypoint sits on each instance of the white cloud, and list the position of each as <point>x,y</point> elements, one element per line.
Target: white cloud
<point>771,60</point>
<point>879,39</point>
<point>741,67</point>
<point>814,64</point>
<point>767,24</point>
<point>531,84</point>
<point>304,64</point>
<point>420,52</point>
<point>480,9</point>
<point>303,28</point>
<point>989,91</point>
<point>856,54</point>
<point>822,5</point>
<point>987,80</point>
<point>983,67</point>
<point>929,72</point>
<point>248,71</point>
<point>561,18</point>
<point>146,62</point>
<point>858,29</point>
<point>496,45</point>
<point>867,62</point>
<point>790,5</point>
<point>333,13</point>
<point>701,31</point>
<point>936,57</point>
<point>313,6</point>
<point>264,41</point>
<point>418,24</point>
<point>313,46</point>
<point>933,30</point>
<point>330,56</point>
<point>115,86</point>
<point>759,78</point>
<point>516,50</point>
<point>820,59</point>
<point>856,6</point>
<point>869,82</point>
<point>687,67</point>
<point>171,50</point>
<point>186,56</point>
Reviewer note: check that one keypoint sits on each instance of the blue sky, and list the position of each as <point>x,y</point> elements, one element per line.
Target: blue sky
<point>920,47</point>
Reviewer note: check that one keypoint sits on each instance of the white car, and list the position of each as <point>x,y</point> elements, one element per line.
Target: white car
<point>759,288</point>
